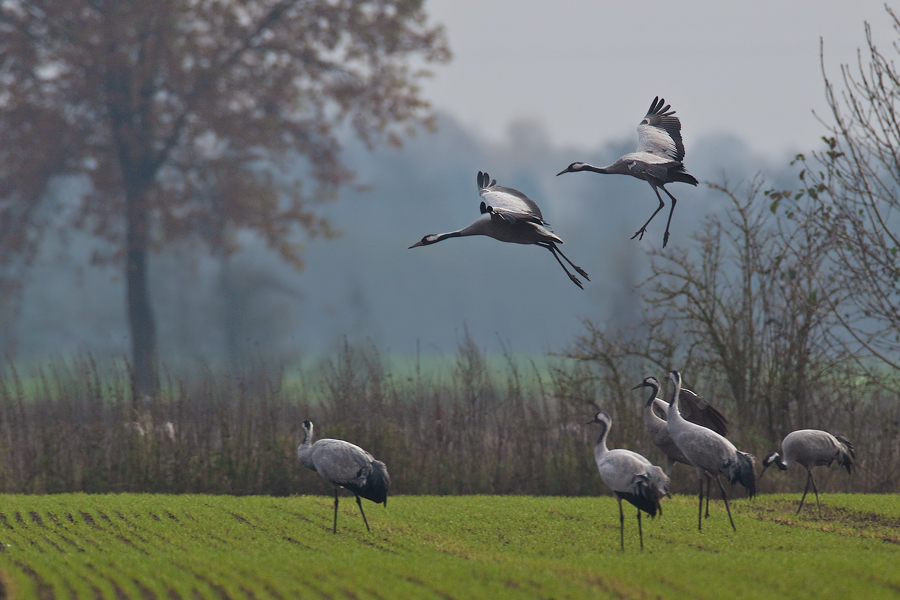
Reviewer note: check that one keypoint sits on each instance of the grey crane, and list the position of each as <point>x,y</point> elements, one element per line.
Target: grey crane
<point>694,408</point>
<point>630,476</point>
<point>508,215</point>
<point>811,448</point>
<point>345,465</point>
<point>709,453</point>
<point>657,160</point>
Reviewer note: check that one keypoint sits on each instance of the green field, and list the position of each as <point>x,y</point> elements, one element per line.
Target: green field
<point>149,546</point>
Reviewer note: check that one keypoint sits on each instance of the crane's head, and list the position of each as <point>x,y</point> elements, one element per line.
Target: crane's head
<point>574,168</point>
<point>428,239</point>
<point>601,417</point>
<point>772,458</point>
<point>652,382</point>
<point>675,376</point>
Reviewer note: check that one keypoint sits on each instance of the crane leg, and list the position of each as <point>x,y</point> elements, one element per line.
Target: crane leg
<point>816,491</point>
<point>708,491</point>
<point>621,525</point>
<point>805,490</point>
<point>359,504</point>
<point>335,510</point>
<point>581,271</point>
<point>640,531</point>
<point>643,229</point>
<point>725,498</point>
<point>700,507</point>
<point>553,250</point>
<point>671,210</point>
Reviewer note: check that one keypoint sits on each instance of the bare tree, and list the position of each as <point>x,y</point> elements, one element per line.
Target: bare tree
<point>740,310</point>
<point>191,119</point>
<point>751,309</point>
<point>851,198</point>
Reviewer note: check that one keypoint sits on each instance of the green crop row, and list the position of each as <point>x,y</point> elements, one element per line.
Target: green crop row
<point>166,546</point>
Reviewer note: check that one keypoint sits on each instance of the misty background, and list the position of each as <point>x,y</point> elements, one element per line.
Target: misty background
<point>366,286</point>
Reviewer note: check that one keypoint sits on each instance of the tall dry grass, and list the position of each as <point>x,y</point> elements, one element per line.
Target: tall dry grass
<point>74,426</point>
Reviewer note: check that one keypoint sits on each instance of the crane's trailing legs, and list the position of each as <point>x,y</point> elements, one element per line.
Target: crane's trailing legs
<point>640,232</point>
<point>669,222</point>
<point>556,252</point>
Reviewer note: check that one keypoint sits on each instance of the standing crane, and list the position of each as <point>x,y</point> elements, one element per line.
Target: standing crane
<point>811,448</point>
<point>508,215</point>
<point>345,465</point>
<point>657,159</point>
<point>709,453</point>
<point>693,408</point>
<point>630,476</point>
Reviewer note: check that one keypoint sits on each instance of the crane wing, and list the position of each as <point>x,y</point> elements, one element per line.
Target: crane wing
<point>512,205</point>
<point>342,463</point>
<point>645,166</point>
<point>659,132</point>
<point>697,410</point>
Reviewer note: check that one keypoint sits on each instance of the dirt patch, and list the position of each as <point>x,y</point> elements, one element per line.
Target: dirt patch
<point>146,593</point>
<point>834,519</point>
<point>421,583</point>
<point>44,589</point>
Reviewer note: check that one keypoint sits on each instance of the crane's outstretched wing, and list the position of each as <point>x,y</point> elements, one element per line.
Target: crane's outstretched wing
<point>512,205</point>
<point>659,132</point>
<point>697,410</point>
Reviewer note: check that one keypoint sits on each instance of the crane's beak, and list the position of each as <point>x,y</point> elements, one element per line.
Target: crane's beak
<point>638,386</point>
<point>417,244</point>
<point>566,170</point>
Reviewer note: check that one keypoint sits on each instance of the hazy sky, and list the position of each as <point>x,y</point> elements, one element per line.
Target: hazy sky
<point>588,69</point>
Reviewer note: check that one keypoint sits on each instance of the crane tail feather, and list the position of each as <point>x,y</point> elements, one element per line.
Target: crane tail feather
<point>846,456</point>
<point>744,474</point>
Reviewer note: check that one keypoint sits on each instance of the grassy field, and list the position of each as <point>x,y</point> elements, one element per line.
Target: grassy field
<point>154,546</point>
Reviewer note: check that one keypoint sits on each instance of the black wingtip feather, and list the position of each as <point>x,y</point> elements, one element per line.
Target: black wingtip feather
<point>377,484</point>
<point>746,475</point>
<point>649,506</point>
<point>846,458</point>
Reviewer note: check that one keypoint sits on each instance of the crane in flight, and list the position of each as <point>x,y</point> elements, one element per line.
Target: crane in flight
<point>658,159</point>
<point>508,215</point>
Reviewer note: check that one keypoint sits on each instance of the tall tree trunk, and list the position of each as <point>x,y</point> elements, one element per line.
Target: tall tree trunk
<point>140,312</point>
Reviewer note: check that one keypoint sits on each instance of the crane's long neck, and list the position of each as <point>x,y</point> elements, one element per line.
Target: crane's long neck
<point>600,449</point>
<point>476,228</point>
<point>440,237</point>
<point>654,392</point>
<point>304,450</point>
<point>592,168</point>
<point>674,416</point>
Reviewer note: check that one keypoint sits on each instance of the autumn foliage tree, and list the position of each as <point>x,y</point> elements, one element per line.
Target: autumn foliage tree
<point>189,118</point>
